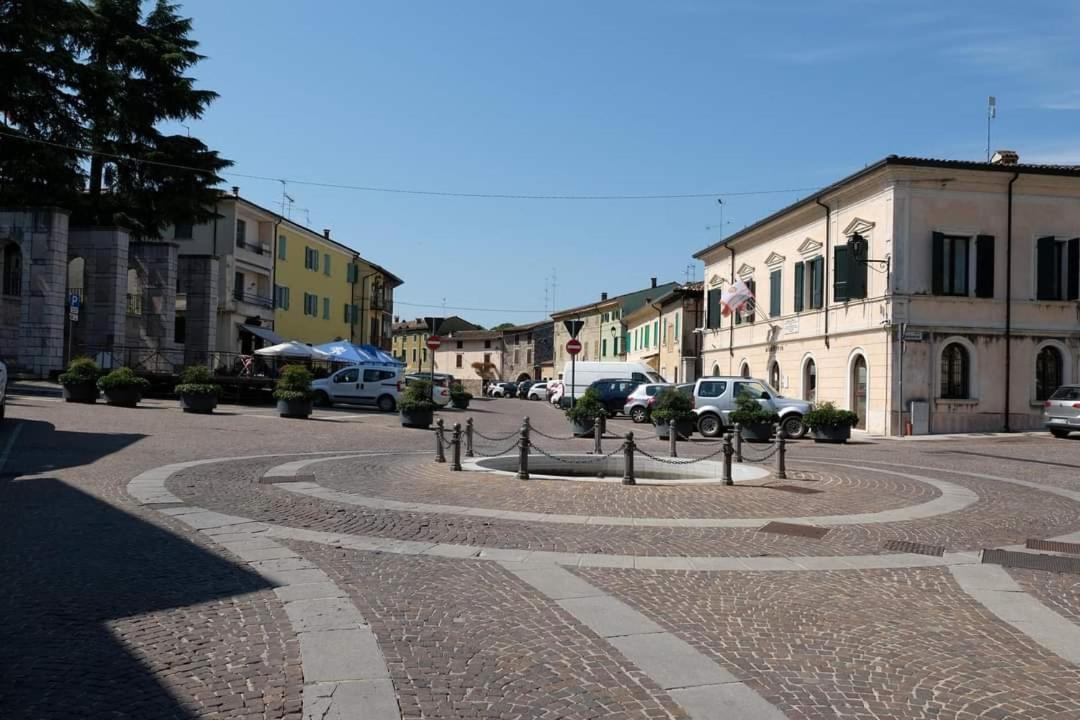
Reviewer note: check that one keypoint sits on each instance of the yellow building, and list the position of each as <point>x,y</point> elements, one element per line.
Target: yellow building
<point>313,286</point>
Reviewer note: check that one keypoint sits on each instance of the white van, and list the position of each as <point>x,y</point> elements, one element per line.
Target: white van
<point>360,385</point>
<point>586,373</point>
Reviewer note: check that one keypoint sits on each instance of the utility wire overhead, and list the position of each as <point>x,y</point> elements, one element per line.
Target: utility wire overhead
<point>408,191</point>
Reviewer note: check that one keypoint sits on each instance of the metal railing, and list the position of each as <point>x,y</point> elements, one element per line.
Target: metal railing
<point>134,304</point>
<point>253,299</point>
<point>257,248</point>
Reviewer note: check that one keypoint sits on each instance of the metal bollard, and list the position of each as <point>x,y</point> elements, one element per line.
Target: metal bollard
<point>598,432</point>
<point>728,452</point>
<point>673,438</point>
<point>440,456</point>
<point>469,438</point>
<point>628,460</point>
<point>738,442</point>
<point>523,451</point>
<point>781,461</point>
<point>603,424</point>
<point>455,463</point>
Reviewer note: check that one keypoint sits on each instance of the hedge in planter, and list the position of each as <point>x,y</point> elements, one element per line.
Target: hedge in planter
<point>459,397</point>
<point>80,380</point>
<point>197,390</point>
<point>415,406</point>
<point>673,408</point>
<point>827,423</point>
<point>755,422</point>
<point>585,412</point>
<point>293,392</point>
<point>122,387</point>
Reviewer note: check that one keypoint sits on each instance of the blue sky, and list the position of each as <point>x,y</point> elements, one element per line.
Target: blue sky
<point>600,98</point>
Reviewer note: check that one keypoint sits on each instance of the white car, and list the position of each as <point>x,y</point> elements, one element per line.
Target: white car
<point>376,385</point>
<point>441,382</point>
<point>538,391</point>
<point>3,388</point>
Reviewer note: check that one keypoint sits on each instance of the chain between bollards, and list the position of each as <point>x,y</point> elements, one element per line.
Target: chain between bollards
<point>455,463</point>
<point>738,443</point>
<point>523,451</point>
<point>728,452</point>
<point>440,456</point>
<point>469,438</point>
<point>628,460</point>
<point>781,461</point>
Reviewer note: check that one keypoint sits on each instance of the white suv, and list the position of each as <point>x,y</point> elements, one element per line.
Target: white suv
<point>3,388</point>
<point>360,385</point>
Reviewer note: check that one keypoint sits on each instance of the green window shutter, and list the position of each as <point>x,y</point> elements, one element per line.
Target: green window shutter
<point>817,285</point>
<point>646,343</point>
<point>751,304</point>
<point>282,247</point>
<point>326,264</point>
<point>800,282</point>
<point>656,332</point>
<point>840,273</point>
<point>984,266</point>
<point>775,278</point>
<point>858,274</point>
<point>712,312</point>
<point>677,335</point>
<point>1072,292</point>
<point>937,264</point>
<point>348,318</point>
<point>1046,268</point>
<point>326,308</point>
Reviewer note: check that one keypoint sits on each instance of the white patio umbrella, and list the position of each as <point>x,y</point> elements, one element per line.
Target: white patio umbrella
<point>293,349</point>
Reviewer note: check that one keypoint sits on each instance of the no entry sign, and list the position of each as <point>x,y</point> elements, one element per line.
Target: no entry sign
<point>434,342</point>
<point>573,346</point>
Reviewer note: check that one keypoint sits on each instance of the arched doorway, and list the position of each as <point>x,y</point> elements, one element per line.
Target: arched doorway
<point>745,370</point>
<point>809,380</point>
<point>1049,371</point>
<point>774,376</point>
<point>859,386</point>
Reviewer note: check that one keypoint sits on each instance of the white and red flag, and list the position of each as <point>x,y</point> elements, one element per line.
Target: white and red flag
<point>735,296</point>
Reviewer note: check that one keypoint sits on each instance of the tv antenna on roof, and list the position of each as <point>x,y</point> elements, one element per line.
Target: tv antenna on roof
<point>991,113</point>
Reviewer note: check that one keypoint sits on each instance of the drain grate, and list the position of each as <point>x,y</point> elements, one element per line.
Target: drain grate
<point>1030,561</point>
<point>1053,546</point>
<point>806,531</point>
<point>915,548</point>
<point>795,489</point>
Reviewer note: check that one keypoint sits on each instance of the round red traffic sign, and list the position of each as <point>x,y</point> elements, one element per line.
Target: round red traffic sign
<point>573,346</point>
<point>434,342</point>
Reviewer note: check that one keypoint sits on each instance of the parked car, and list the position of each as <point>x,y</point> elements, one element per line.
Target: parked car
<point>504,390</point>
<point>1061,413</point>
<point>538,391</point>
<point>440,382</point>
<point>637,404</point>
<point>523,388</point>
<point>714,399</point>
<point>3,388</point>
<point>584,374</point>
<point>613,393</point>
<point>376,385</point>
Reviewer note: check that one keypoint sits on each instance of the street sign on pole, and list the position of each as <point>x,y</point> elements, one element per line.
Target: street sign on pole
<point>74,301</point>
<point>433,344</point>
<point>573,347</point>
<point>73,314</point>
<point>573,326</point>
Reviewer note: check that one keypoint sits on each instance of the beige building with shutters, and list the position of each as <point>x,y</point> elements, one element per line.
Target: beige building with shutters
<point>961,314</point>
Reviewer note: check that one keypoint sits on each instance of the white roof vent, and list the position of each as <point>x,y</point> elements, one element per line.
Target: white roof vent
<point>1005,157</point>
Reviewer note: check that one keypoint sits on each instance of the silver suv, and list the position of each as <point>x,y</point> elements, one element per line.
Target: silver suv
<point>714,400</point>
<point>637,404</point>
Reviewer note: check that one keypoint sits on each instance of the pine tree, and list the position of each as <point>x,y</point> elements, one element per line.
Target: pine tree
<point>132,80</point>
<point>38,67</point>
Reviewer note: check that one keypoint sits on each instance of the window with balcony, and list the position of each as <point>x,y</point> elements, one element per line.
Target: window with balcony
<point>241,233</point>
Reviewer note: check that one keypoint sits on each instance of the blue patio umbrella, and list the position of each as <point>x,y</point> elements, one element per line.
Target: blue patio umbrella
<point>343,351</point>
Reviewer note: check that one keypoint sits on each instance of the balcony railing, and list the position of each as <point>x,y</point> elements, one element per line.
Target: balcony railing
<point>134,304</point>
<point>253,299</point>
<point>257,248</point>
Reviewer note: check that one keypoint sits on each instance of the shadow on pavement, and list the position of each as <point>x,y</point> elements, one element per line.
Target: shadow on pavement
<point>71,565</point>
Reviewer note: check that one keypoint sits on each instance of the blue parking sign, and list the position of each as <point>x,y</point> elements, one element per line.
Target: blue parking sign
<point>74,301</point>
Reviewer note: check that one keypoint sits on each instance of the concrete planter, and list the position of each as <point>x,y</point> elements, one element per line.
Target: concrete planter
<point>683,428</point>
<point>582,428</point>
<point>81,392</point>
<point>417,418</point>
<point>299,409</point>
<point>202,404</point>
<point>124,396</point>
<point>832,434</point>
<point>460,403</point>
<point>757,432</point>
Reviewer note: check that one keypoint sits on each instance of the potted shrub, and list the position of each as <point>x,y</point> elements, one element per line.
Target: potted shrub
<point>416,407</point>
<point>673,408</point>
<point>80,381</point>
<point>197,390</point>
<point>459,397</point>
<point>293,392</point>
<point>755,421</point>
<point>584,413</point>
<point>122,387</point>
<point>829,424</point>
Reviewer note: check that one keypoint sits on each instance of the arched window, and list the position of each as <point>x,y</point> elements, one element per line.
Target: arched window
<point>1049,369</point>
<point>715,370</point>
<point>955,372</point>
<point>12,269</point>
<point>774,376</point>
<point>809,381</point>
<point>745,371</point>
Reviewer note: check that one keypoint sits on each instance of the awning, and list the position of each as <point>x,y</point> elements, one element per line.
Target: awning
<point>346,352</point>
<point>265,333</point>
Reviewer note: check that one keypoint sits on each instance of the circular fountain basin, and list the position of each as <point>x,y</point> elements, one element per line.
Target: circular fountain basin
<point>587,468</point>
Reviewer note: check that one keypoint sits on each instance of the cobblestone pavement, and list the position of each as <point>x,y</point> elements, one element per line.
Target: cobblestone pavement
<point>116,609</point>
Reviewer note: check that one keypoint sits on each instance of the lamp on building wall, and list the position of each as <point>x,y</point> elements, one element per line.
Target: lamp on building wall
<point>614,342</point>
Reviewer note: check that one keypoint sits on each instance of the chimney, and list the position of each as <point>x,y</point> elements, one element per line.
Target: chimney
<point>603,296</point>
<point>653,281</point>
<point>236,190</point>
<point>1005,157</point>
<point>326,233</point>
